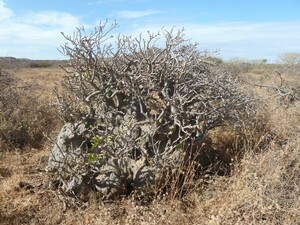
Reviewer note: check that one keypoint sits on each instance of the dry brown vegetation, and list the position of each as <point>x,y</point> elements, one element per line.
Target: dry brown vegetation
<point>263,186</point>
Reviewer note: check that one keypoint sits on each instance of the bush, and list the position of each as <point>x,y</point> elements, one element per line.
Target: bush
<point>40,64</point>
<point>290,59</point>
<point>141,113</point>
<point>216,60</point>
<point>24,117</point>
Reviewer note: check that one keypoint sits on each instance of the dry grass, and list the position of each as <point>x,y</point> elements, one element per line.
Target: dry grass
<point>48,78</point>
<point>27,115</point>
<point>263,186</point>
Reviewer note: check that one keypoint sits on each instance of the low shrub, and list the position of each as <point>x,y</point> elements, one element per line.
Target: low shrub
<point>25,118</point>
<point>40,64</point>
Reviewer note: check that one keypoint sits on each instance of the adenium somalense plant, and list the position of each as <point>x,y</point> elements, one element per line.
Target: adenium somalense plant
<point>137,112</point>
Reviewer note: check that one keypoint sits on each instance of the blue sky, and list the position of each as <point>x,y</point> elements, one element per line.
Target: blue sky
<point>248,29</point>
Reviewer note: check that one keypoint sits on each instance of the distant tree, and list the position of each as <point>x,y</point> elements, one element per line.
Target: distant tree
<point>290,58</point>
<point>258,61</point>
<point>216,60</point>
<point>238,60</point>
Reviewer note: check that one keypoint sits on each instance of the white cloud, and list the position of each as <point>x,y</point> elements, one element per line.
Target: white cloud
<point>40,27</point>
<point>253,40</point>
<point>35,34</point>
<point>240,39</point>
<point>52,18</point>
<point>132,14</point>
<point>38,34</point>
<point>5,13</point>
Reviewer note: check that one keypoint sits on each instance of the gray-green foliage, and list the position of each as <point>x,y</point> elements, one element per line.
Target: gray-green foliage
<point>152,107</point>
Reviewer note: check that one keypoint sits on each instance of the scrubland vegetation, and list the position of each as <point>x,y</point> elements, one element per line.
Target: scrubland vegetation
<point>252,175</point>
